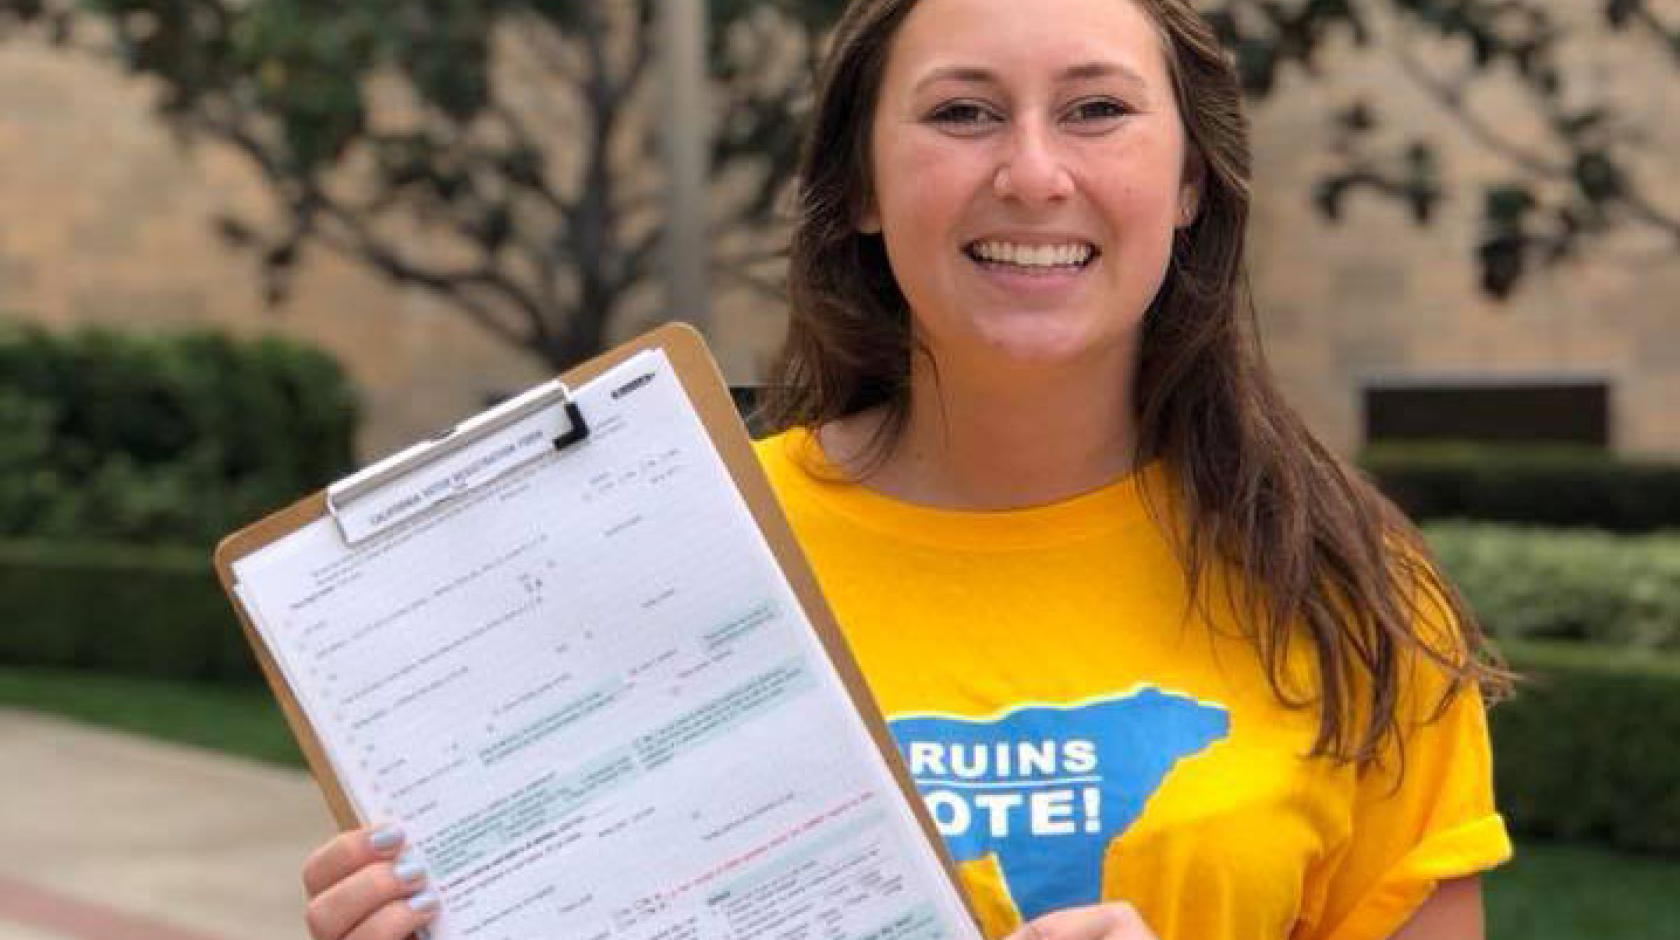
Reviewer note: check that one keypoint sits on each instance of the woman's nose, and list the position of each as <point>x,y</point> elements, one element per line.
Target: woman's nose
<point>1031,169</point>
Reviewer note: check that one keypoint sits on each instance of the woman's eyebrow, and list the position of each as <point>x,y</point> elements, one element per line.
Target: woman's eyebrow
<point>957,73</point>
<point>1087,71</point>
<point>1084,71</point>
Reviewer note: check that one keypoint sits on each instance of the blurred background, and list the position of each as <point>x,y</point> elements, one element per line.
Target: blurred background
<point>246,245</point>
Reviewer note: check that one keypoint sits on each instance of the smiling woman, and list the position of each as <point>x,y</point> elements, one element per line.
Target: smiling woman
<point>1160,665</point>
<point>1025,180</point>
<point>1028,175</point>
<point>1032,443</point>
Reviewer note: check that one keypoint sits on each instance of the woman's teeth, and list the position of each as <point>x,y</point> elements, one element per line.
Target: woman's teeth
<point>1032,256</point>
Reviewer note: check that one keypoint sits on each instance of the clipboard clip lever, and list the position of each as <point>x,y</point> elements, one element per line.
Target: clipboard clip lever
<point>456,461</point>
<point>578,430</point>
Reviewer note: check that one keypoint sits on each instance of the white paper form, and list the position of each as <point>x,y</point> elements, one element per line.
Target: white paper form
<point>594,703</point>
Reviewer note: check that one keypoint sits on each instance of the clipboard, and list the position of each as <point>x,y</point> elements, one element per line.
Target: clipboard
<point>707,393</point>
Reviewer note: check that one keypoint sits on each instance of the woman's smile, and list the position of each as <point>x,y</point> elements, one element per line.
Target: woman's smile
<point>1033,275</point>
<point>1029,258</point>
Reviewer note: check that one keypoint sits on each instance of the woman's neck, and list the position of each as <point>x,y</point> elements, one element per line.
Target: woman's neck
<point>987,443</point>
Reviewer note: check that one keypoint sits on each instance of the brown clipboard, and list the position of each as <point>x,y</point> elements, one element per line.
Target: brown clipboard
<point>695,368</point>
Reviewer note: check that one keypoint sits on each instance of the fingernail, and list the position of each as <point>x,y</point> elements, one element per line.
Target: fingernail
<point>385,838</point>
<point>424,901</point>
<point>408,868</point>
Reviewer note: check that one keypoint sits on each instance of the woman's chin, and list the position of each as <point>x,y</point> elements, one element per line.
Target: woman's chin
<point>1038,348</point>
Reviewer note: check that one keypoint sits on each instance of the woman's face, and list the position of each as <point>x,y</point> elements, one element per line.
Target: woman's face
<point>1029,170</point>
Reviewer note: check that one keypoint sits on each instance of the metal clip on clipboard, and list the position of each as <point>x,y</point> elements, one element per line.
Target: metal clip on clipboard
<point>465,457</point>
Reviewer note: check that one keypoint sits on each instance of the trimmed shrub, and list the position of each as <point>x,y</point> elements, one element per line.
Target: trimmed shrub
<point>174,438</point>
<point>121,609</point>
<point>1539,486</point>
<point>1533,583</point>
<point>1588,748</point>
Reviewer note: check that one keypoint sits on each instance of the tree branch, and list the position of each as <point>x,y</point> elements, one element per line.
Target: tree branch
<point>526,141</point>
<point>1643,15</point>
<point>548,47</point>
<point>1449,99</point>
<point>359,243</point>
<point>454,285</point>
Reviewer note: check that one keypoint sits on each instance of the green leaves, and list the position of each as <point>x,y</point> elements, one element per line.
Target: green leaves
<point>1410,176</point>
<point>1519,229</point>
<point>1618,13</point>
<point>304,65</point>
<point>1586,749</point>
<point>445,52</point>
<point>162,438</point>
<point>1534,583</point>
<point>1599,178</point>
<point>1508,205</point>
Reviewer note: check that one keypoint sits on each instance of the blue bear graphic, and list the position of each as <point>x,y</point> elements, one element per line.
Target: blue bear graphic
<point>1045,788</point>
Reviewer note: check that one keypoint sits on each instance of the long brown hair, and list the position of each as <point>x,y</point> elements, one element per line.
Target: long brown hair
<point>1317,552</point>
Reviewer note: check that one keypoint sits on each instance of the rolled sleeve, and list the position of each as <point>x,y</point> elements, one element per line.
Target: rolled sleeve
<point>1422,816</point>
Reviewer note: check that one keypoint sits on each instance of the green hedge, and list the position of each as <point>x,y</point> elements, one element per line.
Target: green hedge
<point>162,437</point>
<point>118,609</point>
<point>1539,486</point>
<point>1590,747</point>
<point>1534,583</point>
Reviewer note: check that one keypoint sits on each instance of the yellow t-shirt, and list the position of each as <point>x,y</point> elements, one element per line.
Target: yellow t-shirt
<point>1077,738</point>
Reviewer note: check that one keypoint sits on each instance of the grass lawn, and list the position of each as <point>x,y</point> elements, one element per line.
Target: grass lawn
<point>1561,891</point>
<point>240,720</point>
<point>1549,892</point>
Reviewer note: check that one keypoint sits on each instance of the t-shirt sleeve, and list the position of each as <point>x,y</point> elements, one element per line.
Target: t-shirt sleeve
<point>1436,823</point>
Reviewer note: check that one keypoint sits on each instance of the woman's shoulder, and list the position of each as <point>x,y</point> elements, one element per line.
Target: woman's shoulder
<point>831,454</point>
<point>783,453</point>
<point>794,463</point>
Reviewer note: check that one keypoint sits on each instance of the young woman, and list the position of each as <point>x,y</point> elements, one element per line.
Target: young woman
<point>1161,665</point>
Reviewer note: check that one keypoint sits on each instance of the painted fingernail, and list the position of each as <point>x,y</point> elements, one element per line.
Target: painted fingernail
<point>385,838</point>
<point>408,868</point>
<point>424,901</point>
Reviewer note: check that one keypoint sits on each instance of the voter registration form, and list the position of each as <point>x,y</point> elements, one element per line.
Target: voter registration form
<point>590,697</point>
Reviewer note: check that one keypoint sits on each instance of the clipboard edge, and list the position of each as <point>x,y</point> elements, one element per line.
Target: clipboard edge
<point>229,550</point>
<point>711,402</point>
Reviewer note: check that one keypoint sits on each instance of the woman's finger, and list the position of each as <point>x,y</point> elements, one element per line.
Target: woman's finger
<point>396,920</point>
<point>371,901</point>
<point>1115,920</point>
<point>347,853</point>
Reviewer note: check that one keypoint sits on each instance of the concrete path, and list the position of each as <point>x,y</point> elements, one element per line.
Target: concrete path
<point>106,836</point>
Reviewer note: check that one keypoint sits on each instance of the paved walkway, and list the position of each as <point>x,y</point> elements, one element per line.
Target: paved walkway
<point>105,836</point>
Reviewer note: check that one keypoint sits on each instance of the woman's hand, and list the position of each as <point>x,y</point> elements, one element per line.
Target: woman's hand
<point>1115,920</point>
<point>362,886</point>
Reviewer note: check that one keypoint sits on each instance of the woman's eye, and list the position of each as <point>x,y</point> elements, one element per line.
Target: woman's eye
<point>1097,109</point>
<point>962,114</point>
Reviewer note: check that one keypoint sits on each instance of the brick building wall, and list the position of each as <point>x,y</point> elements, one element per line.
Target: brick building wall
<point>1378,300</point>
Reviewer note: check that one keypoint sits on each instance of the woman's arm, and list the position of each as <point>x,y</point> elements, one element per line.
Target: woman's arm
<point>1453,912</point>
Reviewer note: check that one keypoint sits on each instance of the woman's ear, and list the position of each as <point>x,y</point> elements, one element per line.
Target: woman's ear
<point>1190,189</point>
<point>869,220</point>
